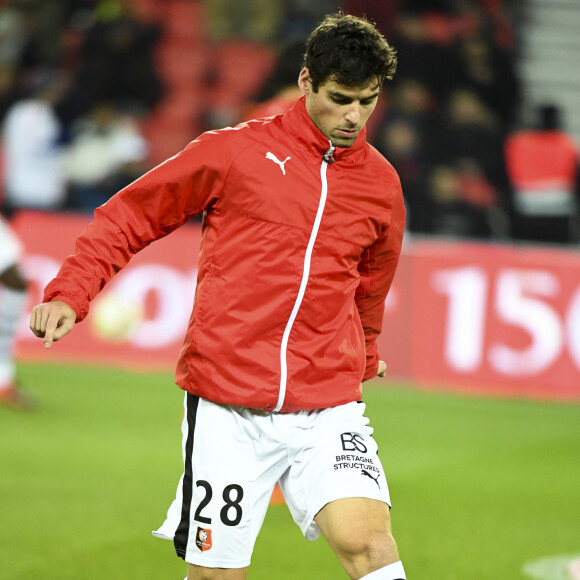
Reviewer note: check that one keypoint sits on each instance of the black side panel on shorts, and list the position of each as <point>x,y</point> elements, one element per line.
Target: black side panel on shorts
<point>182,532</point>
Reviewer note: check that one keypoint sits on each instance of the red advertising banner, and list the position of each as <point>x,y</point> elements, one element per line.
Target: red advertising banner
<point>475,317</point>
<point>504,319</point>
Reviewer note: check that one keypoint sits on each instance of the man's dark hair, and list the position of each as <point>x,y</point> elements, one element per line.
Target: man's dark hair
<point>350,51</point>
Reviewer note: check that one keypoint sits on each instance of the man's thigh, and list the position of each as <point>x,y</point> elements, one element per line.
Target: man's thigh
<point>352,518</point>
<point>222,498</point>
<point>335,459</point>
<point>359,531</point>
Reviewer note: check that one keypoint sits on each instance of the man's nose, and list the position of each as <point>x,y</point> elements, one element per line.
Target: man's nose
<point>353,114</point>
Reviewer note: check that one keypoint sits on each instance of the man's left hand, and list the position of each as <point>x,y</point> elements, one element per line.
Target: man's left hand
<point>382,369</point>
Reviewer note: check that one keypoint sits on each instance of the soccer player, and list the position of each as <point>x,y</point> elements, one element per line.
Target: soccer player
<point>12,301</point>
<point>303,225</point>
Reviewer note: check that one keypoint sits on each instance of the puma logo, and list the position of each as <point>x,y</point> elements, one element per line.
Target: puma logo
<point>375,479</point>
<point>273,158</point>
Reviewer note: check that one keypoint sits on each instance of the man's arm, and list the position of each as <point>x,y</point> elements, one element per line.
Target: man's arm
<point>377,269</point>
<point>148,209</point>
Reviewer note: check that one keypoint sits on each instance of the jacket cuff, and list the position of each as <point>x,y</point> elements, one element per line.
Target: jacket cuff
<point>372,366</point>
<point>81,314</point>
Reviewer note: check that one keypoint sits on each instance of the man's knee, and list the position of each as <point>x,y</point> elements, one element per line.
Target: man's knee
<point>359,531</point>
<point>365,549</point>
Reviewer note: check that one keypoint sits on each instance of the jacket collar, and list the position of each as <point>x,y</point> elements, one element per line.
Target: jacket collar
<point>298,124</point>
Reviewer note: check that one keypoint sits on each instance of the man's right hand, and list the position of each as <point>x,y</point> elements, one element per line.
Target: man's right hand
<point>51,321</point>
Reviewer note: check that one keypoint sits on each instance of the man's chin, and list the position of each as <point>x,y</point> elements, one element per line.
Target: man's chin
<point>342,142</point>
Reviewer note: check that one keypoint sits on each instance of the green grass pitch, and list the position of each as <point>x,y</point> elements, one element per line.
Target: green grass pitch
<point>479,486</point>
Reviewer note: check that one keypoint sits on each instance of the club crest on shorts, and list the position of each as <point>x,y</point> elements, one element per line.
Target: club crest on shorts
<point>203,539</point>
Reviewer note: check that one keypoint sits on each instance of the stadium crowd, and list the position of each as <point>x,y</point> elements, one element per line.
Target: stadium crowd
<point>80,80</point>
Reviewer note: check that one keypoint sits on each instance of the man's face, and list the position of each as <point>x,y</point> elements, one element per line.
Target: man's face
<point>338,111</point>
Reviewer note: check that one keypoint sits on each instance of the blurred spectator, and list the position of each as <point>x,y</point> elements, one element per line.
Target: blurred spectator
<point>302,16</point>
<point>470,129</point>
<point>106,153</point>
<point>255,20</point>
<point>464,201</point>
<point>32,36</point>
<point>543,164</point>
<point>242,37</point>
<point>32,144</point>
<point>12,42</point>
<point>383,12</point>
<point>116,62</point>
<point>402,143</point>
<point>407,138</point>
<point>422,56</point>
<point>8,89</point>
<point>490,72</point>
<point>13,35</point>
<point>468,185</point>
<point>31,33</point>
<point>412,99</point>
<point>281,90</point>
<point>44,23</point>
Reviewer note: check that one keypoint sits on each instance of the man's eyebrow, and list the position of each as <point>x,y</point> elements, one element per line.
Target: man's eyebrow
<point>340,95</point>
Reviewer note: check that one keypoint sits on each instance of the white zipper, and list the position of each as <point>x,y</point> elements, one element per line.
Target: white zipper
<point>303,284</point>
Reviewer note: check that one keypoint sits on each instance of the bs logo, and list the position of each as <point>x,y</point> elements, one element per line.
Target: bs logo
<point>353,442</point>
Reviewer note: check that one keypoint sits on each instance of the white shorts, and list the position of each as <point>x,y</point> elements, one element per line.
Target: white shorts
<point>233,458</point>
<point>10,246</point>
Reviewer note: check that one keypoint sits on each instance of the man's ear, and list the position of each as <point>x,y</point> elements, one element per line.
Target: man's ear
<point>304,81</point>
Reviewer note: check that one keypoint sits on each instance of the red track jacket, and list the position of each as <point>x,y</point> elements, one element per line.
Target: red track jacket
<point>297,257</point>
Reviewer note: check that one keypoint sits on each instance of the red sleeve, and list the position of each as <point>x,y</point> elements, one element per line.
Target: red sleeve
<point>377,269</point>
<point>148,209</point>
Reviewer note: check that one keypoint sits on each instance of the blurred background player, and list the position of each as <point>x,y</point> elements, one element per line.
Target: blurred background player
<point>543,165</point>
<point>12,301</point>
